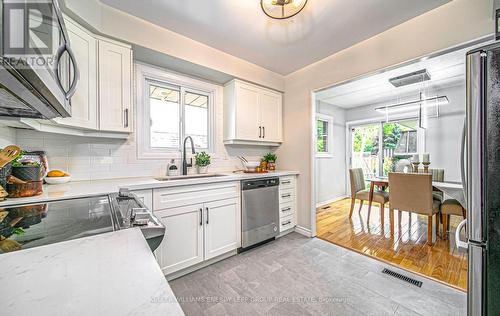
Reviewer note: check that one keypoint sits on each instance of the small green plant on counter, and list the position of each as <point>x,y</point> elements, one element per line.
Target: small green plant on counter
<point>270,157</point>
<point>202,159</point>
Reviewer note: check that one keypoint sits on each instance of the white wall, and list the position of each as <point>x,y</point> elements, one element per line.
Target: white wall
<point>7,136</point>
<point>443,134</point>
<point>87,158</point>
<point>331,171</point>
<point>452,24</point>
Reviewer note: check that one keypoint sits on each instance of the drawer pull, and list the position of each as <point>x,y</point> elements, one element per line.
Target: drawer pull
<point>286,182</point>
<point>286,223</point>
<point>207,215</point>
<point>286,209</point>
<point>286,195</point>
<point>201,216</point>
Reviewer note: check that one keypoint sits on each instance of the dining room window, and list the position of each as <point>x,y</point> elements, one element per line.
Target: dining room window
<point>324,135</point>
<point>170,108</point>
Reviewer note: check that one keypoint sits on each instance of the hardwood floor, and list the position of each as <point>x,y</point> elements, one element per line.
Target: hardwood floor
<point>408,247</point>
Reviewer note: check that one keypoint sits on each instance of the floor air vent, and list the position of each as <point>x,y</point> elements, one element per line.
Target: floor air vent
<point>402,277</point>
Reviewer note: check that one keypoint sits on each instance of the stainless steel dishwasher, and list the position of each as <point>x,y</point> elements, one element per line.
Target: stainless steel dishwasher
<point>259,211</point>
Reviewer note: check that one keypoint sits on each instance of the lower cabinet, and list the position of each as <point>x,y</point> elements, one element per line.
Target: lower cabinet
<point>222,227</point>
<point>182,245</point>
<point>197,233</point>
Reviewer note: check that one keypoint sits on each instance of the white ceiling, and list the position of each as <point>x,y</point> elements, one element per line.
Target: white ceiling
<point>445,71</point>
<point>240,28</point>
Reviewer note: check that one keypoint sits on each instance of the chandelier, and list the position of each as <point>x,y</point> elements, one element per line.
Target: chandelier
<point>282,9</point>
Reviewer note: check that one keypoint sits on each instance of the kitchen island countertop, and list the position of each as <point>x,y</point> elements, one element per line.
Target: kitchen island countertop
<point>108,274</point>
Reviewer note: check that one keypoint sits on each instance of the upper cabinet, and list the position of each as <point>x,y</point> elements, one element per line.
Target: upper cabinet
<point>84,109</point>
<point>252,115</point>
<point>115,86</point>
<point>102,103</point>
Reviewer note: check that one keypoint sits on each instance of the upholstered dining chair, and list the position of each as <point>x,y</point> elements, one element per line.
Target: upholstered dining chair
<point>450,207</point>
<point>412,192</point>
<point>437,175</point>
<point>359,191</point>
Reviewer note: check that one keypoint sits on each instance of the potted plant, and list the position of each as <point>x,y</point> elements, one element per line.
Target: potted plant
<point>202,161</point>
<point>271,158</point>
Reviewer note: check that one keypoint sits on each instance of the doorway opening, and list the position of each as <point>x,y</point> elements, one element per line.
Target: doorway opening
<point>381,129</point>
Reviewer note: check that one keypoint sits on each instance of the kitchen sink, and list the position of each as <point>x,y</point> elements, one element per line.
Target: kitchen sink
<point>190,176</point>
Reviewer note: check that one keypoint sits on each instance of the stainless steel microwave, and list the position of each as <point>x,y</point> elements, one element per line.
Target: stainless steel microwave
<point>38,71</point>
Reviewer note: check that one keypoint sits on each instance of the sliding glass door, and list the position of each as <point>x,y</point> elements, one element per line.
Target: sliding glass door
<point>385,147</point>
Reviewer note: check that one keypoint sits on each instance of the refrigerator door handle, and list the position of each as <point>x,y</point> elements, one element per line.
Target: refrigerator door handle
<point>476,64</point>
<point>459,243</point>
<point>462,161</point>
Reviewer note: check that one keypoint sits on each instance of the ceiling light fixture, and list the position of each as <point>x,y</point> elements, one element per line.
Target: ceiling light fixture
<point>282,9</point>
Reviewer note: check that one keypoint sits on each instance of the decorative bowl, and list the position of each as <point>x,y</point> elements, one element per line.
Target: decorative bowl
<point>57,180</point>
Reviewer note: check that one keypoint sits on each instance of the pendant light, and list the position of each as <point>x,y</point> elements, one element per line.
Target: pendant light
<point>282,9</point>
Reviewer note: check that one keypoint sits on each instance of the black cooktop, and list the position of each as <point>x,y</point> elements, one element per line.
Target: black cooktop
<point>34,225</point>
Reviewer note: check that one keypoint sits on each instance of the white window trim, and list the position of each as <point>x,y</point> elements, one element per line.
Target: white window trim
<point>329,120</point>
<point>146,73</point>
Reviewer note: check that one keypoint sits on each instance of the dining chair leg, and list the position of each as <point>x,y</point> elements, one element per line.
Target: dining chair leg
<point>437,224</point>
<point>464,215</point>
<point>429,230</point>
<point>353,201</point>
<point>391,220</point>
<point>444,220</point>
<point>360,205</point>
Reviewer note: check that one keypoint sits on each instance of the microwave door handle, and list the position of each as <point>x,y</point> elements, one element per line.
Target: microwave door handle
<point>76,73</point>
<point>59,53</point>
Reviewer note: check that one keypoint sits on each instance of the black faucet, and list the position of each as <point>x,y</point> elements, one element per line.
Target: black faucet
<point>185,164</point>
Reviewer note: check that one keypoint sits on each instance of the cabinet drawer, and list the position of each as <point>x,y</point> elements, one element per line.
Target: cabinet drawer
<point>166,198</point>
<point>286,209</point>
<point>287,195</point>
<point>287,182</point>
<point>286,223</point>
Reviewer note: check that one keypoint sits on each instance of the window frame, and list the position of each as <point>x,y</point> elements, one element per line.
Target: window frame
<point>329,120</point>
<point>146,76</point>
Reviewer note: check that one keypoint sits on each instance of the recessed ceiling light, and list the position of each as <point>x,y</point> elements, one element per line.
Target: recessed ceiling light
<point>282,9</point>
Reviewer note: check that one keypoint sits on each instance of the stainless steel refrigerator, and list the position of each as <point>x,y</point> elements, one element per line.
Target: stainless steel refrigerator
<point>481,176</point>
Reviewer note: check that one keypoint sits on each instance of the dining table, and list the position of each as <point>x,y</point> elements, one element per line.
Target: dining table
<point>453,189</point>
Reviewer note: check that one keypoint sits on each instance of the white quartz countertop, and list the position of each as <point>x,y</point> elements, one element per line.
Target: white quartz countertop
<point>79,189</point>
<point>108,274</point>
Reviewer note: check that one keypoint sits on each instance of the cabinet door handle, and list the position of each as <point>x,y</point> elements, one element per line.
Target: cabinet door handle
<point>286,209</point>
<point>286,182</point>
<point>125,120</point>
<point>260,131</point>
<point>263,132</point>
<point>201,216</point>
<point>286,223</point>
<point>208,216</point>
<point>286,195</point>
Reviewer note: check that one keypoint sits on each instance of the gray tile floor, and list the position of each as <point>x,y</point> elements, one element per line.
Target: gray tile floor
<point>296,275</point>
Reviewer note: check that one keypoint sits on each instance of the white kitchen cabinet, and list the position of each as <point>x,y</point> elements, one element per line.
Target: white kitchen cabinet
<point>84,109</point>
<point>182,245</point>
<point>211,211</point>
<point>115,86</point>
<point>252,115</point>
<point>222,226</point>
<point>287,204</point>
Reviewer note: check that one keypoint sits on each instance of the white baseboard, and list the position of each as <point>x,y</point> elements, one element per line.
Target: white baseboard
<point>303,231</point>
<point>320,204</point>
